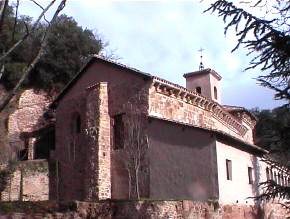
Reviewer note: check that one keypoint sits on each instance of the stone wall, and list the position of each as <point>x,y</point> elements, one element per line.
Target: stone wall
<point>98,177</point>
<point>144,209</point>
<point>31,106</point>
<point>170,108</point>
<point>84,154</point>
<point>29,181</point>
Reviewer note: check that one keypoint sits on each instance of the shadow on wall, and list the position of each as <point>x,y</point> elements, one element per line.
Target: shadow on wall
<point>53,180</point>
<point>254,175</point>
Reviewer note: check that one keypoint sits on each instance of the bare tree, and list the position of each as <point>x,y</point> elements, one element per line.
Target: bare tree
<point>26,71</point>
<point>131,140</point>
<point>134,148</point>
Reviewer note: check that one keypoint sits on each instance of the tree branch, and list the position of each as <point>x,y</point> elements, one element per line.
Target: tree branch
<point>271,41</point>
<point>27,32</point>
<point>35,60</point>
<point>3,9</point>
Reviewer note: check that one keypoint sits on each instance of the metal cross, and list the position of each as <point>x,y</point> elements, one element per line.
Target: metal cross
<point>201,67</point>
<point>200,50</point>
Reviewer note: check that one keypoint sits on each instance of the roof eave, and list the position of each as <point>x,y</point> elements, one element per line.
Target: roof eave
<point>54,104</point>
<point>241,109</point>
<point>204,71</point>
<point>218,132</point>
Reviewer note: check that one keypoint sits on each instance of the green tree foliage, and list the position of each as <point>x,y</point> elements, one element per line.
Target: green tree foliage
<point>266,37</point>
<point>6,52</point>
<point>14,64</point>
<point>272,132</point>
<point>67,49</point>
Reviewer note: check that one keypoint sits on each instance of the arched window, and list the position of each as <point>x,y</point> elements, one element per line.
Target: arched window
<point>76,123</point>
<point>215,92</point>
<point>198,90</point>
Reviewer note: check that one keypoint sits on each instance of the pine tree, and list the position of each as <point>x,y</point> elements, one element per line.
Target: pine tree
<point>267,39</point>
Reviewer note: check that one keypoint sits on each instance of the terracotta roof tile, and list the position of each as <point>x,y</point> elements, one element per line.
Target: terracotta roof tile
<point>238,108</point>
<point>75,78</point>
<point>204,71</point>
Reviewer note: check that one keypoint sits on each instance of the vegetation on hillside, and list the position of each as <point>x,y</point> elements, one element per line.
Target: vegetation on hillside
<point>40,54</point>
<point>272,132</point>
<point>8,46</point>
<point>67,49</point>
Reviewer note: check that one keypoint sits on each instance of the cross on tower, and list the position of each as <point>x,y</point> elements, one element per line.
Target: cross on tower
<point>201,67</point>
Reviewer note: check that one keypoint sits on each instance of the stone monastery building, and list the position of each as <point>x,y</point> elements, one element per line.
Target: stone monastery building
<point>123,133</point>
<point>190,145</point>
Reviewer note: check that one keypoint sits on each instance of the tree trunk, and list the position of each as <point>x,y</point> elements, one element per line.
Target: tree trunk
<point>130,183</point>
<point>137,182</point>
<point>2,14</point>
<point>27,71</point>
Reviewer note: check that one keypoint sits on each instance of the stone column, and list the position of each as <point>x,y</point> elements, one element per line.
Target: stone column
<point>98,180</point>
<point>104,158</point>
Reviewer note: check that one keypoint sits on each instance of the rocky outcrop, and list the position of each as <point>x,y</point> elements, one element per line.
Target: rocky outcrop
<point>24,119</point>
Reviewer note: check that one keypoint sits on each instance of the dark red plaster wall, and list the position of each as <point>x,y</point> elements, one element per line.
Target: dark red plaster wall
<point>72,150</point>
<point>182,162</point>
<point>100,71</point>
<point>130,98</point>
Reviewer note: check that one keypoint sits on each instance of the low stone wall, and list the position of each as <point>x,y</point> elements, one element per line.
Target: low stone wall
<point>195,210</point>
<point>28,181</point>
<point>140,209</point>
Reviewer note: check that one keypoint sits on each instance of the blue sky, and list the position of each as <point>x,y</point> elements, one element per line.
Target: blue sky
<point>163,39</point>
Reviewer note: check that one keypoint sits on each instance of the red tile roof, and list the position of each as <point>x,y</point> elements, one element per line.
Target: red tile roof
<point>204,71</point>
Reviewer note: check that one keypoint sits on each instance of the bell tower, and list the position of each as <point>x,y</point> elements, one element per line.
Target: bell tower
<point>204,81</point>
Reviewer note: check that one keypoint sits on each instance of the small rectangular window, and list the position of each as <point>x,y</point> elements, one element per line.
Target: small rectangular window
<point>118,128</point>
<point>250,175</point>
<point>268,173</point>
<point>198,90</point>
<point>215,92</point>
<point>76,123</point>
<point>229,169</point>
<point>271,175</point>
